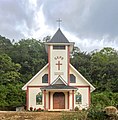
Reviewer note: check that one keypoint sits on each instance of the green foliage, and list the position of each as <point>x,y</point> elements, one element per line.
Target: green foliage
<point>104,69</point>
<point>99,67</point>
<point>101,100</point>
<point>8,70</point>
<point>31,55</point>
<point>96,114</point>
<point>11,95</point>
<point>18,63</point>
<point>81,61</point>
<point>5,45</point>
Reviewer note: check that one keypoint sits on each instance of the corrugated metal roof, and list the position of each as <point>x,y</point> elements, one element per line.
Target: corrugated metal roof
<point>58,38</point>
<point>58,87</point>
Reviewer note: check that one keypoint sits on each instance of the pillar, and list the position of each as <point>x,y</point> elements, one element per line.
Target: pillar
<point>68,100</point>
<point>49,101</point>
<point>73,99</point>
<point>44,99</point>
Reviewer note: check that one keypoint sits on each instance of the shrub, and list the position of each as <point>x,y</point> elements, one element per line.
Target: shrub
<point>35,109</point>
<point>39,109</point>
<point>76,108</point>
<point>94,114</point>
<point>31,108</point>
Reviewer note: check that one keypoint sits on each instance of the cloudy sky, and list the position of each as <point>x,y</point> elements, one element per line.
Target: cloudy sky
<point>91,24</point>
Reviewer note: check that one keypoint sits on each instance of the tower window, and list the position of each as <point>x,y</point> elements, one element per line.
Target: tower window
<point>58,47</point>
<point>45,78</point>
<point>72,78</point>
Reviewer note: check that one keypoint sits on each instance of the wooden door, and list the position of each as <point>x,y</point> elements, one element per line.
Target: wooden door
<point>58,100</point>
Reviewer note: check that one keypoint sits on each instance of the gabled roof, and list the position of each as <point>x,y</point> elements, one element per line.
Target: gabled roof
<point>58,38</point>
<point>59,78</point>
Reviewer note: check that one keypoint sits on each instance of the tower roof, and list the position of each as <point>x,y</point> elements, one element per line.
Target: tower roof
<point>58,38</point>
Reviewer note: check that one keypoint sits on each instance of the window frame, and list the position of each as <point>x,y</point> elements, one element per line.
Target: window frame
<point>73,77</point>
<point>40,94</point>
<point>79,95</point>
<point>59,47</point>
<point>45,81</point>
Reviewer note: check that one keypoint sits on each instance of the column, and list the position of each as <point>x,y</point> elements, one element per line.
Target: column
<point>68,100</point>
<point>73,99</point>
<point>49,101</point>
<point>27,98</point>
<point>44,99</point>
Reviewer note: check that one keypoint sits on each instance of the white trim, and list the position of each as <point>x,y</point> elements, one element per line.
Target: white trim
<point>25,86</point>
<point>92,88</point>
<point>58,79</point>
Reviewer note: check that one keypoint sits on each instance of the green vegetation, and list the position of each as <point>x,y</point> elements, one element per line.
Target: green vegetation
<point>20,61</point>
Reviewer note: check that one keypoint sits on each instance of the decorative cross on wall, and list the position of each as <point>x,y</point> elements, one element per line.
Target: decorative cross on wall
<point>59,65</point>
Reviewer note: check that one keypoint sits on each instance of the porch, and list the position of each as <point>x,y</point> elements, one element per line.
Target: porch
<point>58,97</point>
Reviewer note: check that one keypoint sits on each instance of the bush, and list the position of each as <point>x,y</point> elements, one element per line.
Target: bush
<point>35,109</point>
<point>39,109</point>
<point>95,114</point>
<point>31,108</point>
<point>76,108</point>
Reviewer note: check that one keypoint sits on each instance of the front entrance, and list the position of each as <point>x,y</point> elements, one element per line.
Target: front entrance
<point>59,100</point>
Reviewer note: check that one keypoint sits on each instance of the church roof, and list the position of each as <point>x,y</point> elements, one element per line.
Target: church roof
<point>58,38</point>
<point>59,86</point>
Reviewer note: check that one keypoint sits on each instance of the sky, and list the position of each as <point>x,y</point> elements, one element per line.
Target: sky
<point>91,24</point>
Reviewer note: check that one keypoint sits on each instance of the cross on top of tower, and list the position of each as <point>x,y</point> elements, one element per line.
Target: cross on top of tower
<point>59,22</point>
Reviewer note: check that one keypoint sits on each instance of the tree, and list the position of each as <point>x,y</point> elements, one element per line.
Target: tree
<point>8,70</point>
<point>104,69</point>
<point>81,61</point>
<point>31,54</point>
<point>5,45</point>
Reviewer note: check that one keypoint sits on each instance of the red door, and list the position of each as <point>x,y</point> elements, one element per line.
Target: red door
<point>58,100</point>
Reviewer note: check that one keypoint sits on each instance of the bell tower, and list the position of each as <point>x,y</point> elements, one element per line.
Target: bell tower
<point>58,49</point>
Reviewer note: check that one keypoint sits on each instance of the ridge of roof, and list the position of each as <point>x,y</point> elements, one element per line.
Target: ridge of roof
<point>58,38</point>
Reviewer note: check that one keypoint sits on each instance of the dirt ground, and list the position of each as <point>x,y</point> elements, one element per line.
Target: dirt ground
<point>7,115</point>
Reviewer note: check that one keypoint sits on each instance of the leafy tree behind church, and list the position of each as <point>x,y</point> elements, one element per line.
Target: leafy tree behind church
<point>20,61</point>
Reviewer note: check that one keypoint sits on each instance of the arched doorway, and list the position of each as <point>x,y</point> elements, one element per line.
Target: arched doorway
<point>58,100</point>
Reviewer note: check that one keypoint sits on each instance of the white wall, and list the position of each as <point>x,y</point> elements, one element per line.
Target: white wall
<point>54,68</point>
<point>32,98</point>
<point>83,91</point>
<point>85,98</point>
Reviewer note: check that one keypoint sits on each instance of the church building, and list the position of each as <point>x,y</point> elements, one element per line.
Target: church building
<point>58,86</point>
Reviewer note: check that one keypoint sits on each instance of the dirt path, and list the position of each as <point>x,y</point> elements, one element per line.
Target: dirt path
<point>30,115</point>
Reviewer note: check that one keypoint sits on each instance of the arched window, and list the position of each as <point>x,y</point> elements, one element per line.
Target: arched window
<point>45,78</point>
<point>39,98</point>
<point>78,98</point>
<point>72,78</point>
